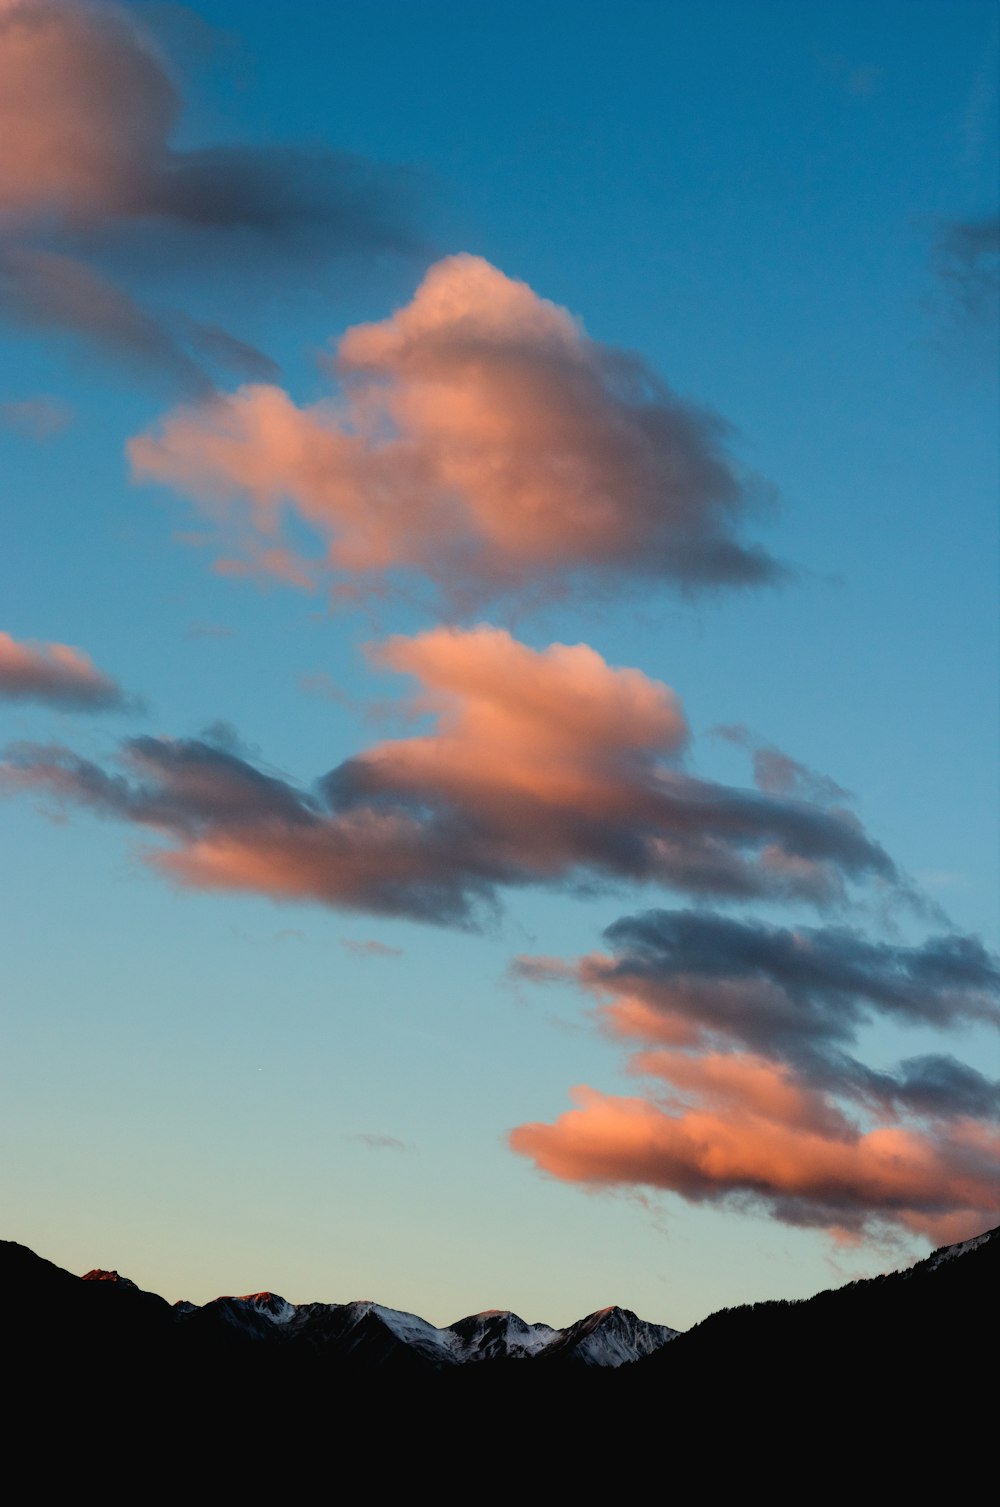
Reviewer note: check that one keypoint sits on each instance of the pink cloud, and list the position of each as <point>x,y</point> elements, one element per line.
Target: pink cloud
<point>273,564</point>
<point>89,109</point>
<point>85,102</point>
<point>56,674</point>
<point>482,439</point>
<point>761,1143</point>
<point>557,728</point>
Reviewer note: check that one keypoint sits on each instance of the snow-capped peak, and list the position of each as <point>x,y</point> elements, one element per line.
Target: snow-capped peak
<point>270,1305</point>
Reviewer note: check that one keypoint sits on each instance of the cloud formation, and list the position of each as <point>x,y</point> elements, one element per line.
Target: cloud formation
<point>748,1142</point>
<point>744,1031</point>
<point>967,262</point>
<point>370,948</point>
<point>88,113</point>
<point>58,675</point>
<point>376,1142</point>
<point>48,290</point>
<point>800,996</point>
<point>482,439</point>
<point>88,110</point>
<point>542,767</point>
<point>777,773</point>
<point>40,417</point>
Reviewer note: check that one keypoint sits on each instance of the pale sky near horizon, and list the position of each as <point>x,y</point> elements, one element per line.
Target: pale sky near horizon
<point>355,359</point>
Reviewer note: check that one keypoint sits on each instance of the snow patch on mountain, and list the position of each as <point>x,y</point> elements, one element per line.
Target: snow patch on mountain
<point>612,1337</point>
<point>608,1337</point>
<point>949,1252</point>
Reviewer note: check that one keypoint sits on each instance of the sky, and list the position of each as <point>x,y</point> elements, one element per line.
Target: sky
<point>499,646</point>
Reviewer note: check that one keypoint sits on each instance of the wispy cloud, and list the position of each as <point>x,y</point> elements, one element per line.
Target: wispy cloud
<point>966,259</point>
<point>40,417</point>
<point>370,948</point>
<point>376,1142</point>
<point>777,773</point>
<point>58,675</point>
<point>209,630</point>
<point>48,290</point>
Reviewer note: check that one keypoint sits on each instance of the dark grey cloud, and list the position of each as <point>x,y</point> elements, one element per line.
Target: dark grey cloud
<point>940,1085</point>
<point>828,975</point>
<point>337,203</point>
<point>799,997</point>
<point>966,258</point>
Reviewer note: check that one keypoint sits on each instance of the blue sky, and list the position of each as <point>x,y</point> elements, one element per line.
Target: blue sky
<point>775,208</point>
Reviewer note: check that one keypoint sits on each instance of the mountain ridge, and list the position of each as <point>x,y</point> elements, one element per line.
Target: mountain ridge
<point>366,1335</point>
<point>129,1379</point>
<point>370,1332</point>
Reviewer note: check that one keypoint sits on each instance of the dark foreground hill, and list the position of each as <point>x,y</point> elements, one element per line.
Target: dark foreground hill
<point>899,1368</point>
<point>941,1313</point>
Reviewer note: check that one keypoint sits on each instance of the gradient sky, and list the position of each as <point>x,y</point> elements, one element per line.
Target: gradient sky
<point>499,646</point>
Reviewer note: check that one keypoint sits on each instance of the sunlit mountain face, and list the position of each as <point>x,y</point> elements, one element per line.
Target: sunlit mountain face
<point>498,668</point>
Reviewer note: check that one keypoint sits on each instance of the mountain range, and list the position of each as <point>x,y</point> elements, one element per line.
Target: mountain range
<point>365,1336</point>
<point>872,1362</point>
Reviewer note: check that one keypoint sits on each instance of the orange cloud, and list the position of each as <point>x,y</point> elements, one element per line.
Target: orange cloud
<point>746,1083</point>
<point>559,729</point>
<point>56,674</point>
<point>482,439</point>
<point>751,1144</point>
<point>752,1096</point>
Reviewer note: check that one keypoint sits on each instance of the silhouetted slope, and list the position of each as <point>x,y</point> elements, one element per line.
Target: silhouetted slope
<point>932,1315</point>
